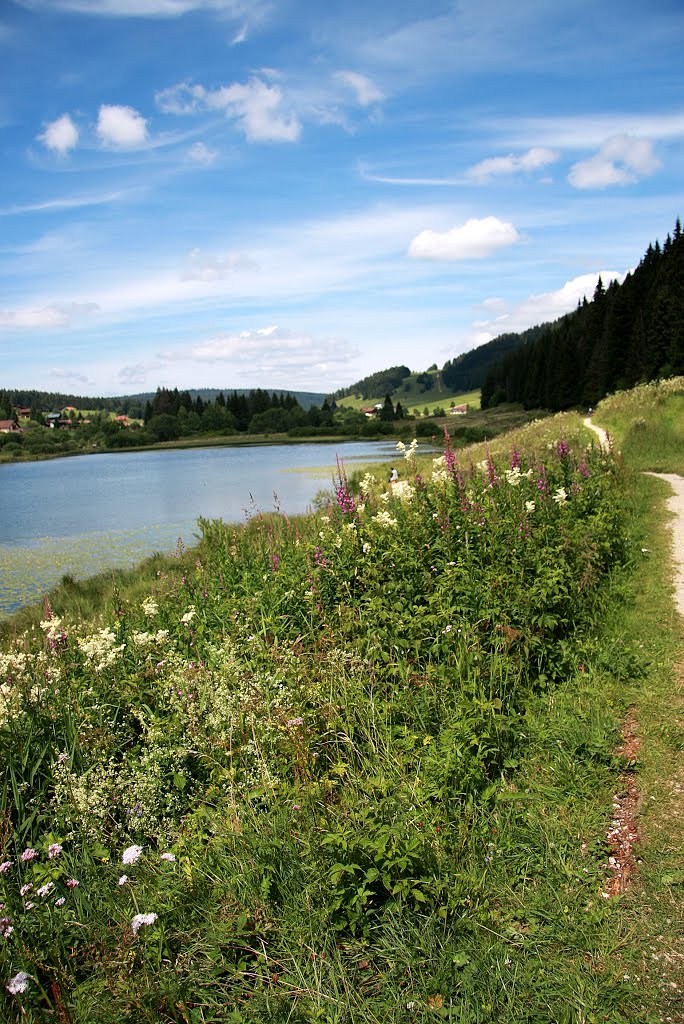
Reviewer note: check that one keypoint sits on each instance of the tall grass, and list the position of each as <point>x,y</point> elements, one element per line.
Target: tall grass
<point>355,766</point>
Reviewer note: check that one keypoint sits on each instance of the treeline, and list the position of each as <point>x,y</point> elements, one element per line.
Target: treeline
<point>629,333</point>
<point>174,414</point>
<point>54,401</point>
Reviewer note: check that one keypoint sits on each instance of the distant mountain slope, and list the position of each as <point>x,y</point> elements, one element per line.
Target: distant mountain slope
<point>53,401</point>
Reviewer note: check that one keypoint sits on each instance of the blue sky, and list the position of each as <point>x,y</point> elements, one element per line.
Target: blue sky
<point>223,193</point>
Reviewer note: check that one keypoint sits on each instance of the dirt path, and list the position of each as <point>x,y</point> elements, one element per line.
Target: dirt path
<point>675,505</point>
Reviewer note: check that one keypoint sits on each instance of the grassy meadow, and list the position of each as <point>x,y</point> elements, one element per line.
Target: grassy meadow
<point>362,766</point>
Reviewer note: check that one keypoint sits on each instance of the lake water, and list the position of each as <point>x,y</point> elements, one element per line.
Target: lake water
<point>85,514</point>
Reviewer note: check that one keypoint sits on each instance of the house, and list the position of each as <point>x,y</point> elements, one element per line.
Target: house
<point>9,427</point>
<point>458,410</point>
<point>123,420</point>
<point>23,412</point>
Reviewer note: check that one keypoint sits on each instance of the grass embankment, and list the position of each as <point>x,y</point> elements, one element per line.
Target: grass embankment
<point>415,400</point>
<point>357,766</point>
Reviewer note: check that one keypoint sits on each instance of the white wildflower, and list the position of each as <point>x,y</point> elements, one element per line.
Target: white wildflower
<point>530,506</point>
<point>383,518</point>
<point>561,497</point>
<point>140,919</point>
<point>189,615</point>
<point>150,607</point>
<point>17,984</point>
<point>131,854</point>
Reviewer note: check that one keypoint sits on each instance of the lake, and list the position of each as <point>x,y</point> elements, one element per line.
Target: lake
<point>85,514</point>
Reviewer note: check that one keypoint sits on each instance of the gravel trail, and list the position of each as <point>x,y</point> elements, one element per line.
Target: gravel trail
<point>675,505</point>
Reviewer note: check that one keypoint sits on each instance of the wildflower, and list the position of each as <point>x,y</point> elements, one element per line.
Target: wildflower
<point>385,519</point>
<point>5,866</point>
<point>294,721</point>
<point>167,856</point>
<point>60,902</point>
<point>17,984</point>
<point>54,850</point>
<point>150,607</point>
<point>62,758</point>
<point>26,888</point>
<point>28,854</point>
<point>189,615</point>
<point>72,883</point>
<point>140,919</point>
<point>30,905</point>
<point>131,855</point>
<point>46,889</point>
<point>560,497</point>
<point>123,879</point>
<point>530,506</point>
<point>6,927</point>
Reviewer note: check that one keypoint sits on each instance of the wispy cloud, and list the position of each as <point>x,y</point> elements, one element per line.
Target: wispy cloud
<point>368,174</point>
<point>66,203</point>
<point>588,131</point>
<point>473,240</point>
<point>51,316</point>
<point>276,350</point>
<point>204,267</point>
<point>621,160</point>
<point>200,153</point>
<point>60,135</point>
<point>533,160</point>
<point>139,8</point>
<point>364,89</point>
<point>60,374</point>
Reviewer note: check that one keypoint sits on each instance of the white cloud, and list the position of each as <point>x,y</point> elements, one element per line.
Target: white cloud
<point>60,135</point>
<point>538,309</point>
<point>365,90</point>
<point>201,154</point>
<point>122,127</point>
<point>256,107</point>
<point>621,160</point>
<point>471,241</point>
<point>532,160</point>
<point>269,350</point>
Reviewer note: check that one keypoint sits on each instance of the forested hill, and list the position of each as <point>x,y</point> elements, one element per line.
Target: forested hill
<point>628,333</point>
<point>129,405</point>
<point>467,372</point>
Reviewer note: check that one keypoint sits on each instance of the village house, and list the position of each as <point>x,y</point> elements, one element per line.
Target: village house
<point>9,427</point>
